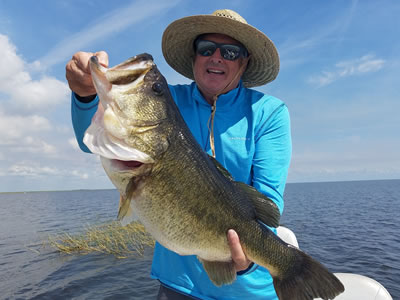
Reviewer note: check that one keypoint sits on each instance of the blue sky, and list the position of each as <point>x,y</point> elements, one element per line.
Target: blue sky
<point>340,77</point>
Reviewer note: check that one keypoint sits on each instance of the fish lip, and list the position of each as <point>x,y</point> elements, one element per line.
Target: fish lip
<point>96,67</point>
<point>144,57</point>
<point>98,72</point>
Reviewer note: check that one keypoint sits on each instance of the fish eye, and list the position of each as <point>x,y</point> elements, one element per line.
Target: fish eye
<point>157,88</point>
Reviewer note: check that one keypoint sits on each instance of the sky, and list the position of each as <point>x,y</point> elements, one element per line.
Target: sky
<point>339,77</point>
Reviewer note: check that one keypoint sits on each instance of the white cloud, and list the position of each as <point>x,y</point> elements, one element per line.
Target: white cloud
<point>365,64</point>
<point>74,143</point>
<point>41,94</point>
<point>32,170</point>
<point>33,145</point>
<point>15,127</point>
<point>79,174</point>
<point>36,169</point>
<point>10,62</point>
<point>23,92</point>
<point>30,145</point>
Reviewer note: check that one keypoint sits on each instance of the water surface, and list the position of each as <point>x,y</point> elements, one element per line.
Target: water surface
<point>349,226</point>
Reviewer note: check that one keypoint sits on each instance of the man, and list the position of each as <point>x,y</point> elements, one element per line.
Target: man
<point>248,132</point>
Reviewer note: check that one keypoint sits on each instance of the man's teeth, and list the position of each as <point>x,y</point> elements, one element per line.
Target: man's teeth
<point>215,71</point>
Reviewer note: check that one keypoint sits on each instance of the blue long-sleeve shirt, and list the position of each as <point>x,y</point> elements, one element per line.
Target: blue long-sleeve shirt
<point>253,142</point>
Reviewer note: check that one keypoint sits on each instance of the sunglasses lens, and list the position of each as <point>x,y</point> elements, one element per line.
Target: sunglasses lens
<point>230,52</point>
<point>205,48</point>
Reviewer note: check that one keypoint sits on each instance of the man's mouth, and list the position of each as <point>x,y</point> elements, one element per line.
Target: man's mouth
<point>214,71</point>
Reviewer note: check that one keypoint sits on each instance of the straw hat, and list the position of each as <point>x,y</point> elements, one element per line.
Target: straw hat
<point>178,38</point>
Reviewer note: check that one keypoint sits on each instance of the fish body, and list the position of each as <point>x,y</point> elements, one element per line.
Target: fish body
<point>185,199</point>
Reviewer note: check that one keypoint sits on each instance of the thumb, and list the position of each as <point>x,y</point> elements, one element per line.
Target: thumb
<point>103,57</point>
<point>238,256</point>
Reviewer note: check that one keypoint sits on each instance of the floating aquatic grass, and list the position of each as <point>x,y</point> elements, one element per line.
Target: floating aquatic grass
<point>110,238</point>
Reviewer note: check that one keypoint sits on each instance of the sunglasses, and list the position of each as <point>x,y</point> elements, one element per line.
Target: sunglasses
<point>228,52</point>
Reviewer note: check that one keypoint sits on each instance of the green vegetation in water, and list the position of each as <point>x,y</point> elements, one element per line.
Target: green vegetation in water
<point>111,238</point>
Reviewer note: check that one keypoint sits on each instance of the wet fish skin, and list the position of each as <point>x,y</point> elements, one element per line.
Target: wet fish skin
<point>183,197</point>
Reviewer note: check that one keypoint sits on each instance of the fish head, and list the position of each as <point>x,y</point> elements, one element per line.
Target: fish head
<point>131,126</point>
<point>131,91</point>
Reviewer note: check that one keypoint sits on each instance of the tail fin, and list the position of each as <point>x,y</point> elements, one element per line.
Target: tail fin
<point>307,280</point>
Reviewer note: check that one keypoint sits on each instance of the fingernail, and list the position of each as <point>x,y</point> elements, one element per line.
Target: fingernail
<point>231,233</point>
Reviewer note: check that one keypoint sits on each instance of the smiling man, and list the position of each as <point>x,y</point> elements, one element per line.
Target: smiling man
<point>248,132</point>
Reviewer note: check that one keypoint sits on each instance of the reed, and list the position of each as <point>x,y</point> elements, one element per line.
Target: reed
<point>110,238</point>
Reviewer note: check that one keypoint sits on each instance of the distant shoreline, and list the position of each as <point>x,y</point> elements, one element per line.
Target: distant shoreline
<point>289,183</point>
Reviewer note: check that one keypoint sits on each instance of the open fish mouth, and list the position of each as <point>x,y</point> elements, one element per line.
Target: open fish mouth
<point>108,132</point>
<point>124,76</point>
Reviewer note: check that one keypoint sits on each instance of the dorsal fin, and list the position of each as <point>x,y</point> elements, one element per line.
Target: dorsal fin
<point>266,210</point>
<point>221,168</point>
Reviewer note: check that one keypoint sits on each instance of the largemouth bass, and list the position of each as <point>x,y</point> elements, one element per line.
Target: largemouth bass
<point>185,199</point>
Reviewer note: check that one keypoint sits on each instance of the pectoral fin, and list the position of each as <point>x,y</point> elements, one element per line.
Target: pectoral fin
<point>266,210</point>
<point>125,212</point>
<point>219,272</point>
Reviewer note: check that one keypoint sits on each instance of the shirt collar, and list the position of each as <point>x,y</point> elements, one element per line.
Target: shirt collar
<point>224,100</point>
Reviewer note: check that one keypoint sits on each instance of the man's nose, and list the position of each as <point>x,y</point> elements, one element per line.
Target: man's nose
<point>216,56</point>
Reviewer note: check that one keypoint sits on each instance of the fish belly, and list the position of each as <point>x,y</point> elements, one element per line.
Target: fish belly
<point>180,232</point>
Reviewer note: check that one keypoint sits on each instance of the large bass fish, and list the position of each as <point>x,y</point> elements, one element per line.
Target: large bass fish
<point>185,199</point>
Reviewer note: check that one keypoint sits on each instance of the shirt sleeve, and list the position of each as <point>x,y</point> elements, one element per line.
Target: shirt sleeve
<point>81,114</point>
<point>273,150</point>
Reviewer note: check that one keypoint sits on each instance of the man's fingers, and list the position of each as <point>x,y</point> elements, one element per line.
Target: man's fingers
<point>78,72</point>
<point>238,256</point>
<point>81,60</point>
<point>103,58</point>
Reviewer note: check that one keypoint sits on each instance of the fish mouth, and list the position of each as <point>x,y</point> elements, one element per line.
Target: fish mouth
<point>125,165</point>
<point>126,75</point>
<point>107,139</point>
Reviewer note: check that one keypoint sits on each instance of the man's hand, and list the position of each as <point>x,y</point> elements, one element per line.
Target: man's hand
<point>238,256</point>
<point>77,72</point>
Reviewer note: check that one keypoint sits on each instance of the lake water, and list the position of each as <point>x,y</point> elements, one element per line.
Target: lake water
<point>349,226</point>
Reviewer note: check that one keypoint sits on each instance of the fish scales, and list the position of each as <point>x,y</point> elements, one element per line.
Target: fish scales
<point>198,221</point>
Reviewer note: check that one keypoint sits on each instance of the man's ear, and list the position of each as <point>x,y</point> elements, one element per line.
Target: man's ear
<point>244,63</point>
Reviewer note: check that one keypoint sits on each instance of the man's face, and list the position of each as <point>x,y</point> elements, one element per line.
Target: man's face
<point>214,73</point>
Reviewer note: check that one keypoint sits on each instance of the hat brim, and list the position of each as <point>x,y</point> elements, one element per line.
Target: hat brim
<point>178,38</point>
